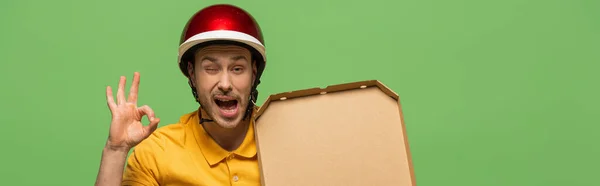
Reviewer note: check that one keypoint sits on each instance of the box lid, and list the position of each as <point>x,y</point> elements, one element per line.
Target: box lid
<point>345,134</point>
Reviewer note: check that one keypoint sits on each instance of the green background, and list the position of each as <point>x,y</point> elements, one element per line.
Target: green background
<point>494,93</point>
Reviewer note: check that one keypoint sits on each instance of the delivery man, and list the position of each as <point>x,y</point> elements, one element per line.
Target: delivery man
<point>222,54</point>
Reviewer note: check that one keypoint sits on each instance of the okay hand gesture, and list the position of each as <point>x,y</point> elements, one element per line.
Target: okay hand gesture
<point>126,128</point>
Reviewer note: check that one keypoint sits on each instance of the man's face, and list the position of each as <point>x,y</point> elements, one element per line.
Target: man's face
<point>223,77</point>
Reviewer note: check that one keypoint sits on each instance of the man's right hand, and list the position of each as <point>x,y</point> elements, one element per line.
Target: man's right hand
<point>126,128</point>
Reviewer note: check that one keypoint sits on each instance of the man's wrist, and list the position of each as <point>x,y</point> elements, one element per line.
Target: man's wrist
<point>116,149</point>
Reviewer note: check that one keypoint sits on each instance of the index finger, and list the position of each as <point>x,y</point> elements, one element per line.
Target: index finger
<point>133,91</point>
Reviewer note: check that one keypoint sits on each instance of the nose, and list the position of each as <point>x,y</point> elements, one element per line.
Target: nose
<point>225,83</point>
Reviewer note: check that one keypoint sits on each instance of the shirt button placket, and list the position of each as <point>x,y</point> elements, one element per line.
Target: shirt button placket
<point>235,178</point>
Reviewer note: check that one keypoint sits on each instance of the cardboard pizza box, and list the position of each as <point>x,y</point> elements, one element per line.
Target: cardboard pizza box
<point>347,134</point>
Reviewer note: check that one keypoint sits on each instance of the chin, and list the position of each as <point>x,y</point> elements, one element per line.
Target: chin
<point>228,124</point>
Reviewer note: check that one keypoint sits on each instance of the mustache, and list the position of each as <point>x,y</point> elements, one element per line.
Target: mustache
<point>228,94</point>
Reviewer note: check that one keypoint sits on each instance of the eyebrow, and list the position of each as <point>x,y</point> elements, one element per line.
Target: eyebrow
<point>214,60</point>
<point>211,59</point>
<point>235,58</point>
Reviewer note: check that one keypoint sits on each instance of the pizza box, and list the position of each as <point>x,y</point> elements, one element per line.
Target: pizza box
<point>346,134</point>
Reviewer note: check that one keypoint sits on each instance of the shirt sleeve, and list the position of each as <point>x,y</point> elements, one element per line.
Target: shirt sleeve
<point>142,165</point>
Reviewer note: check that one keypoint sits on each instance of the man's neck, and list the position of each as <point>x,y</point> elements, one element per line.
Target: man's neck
<point>228,139</point>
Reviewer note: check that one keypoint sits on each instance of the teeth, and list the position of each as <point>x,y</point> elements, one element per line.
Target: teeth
<point>229,110</point>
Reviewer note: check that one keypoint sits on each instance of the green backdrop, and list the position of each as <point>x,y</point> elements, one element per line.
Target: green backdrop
<point>494,93</point>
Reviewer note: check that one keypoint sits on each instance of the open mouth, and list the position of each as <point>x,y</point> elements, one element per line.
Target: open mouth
<point>227,106</point>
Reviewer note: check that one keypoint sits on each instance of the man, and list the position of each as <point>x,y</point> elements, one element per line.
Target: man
<point>222,54</point>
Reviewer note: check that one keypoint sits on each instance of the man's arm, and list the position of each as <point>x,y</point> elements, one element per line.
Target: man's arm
<point>111,167</point>
<point>126,131</point>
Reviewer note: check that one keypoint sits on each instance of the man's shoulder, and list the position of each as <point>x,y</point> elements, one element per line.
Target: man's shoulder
<point>150,157</point>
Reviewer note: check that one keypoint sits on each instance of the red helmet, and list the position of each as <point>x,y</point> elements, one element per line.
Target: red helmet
<point>222,23</point>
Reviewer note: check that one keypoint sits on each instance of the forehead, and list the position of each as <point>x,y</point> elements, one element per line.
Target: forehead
<point>220,50</point>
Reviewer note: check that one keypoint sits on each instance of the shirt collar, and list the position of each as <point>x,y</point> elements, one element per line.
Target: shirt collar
<point>215,153</point>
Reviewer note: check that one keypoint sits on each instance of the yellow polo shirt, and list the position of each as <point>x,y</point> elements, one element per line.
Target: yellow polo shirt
<point>184,154</point>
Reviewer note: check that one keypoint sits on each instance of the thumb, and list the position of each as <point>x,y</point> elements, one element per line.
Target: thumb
<point>152,126</point>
